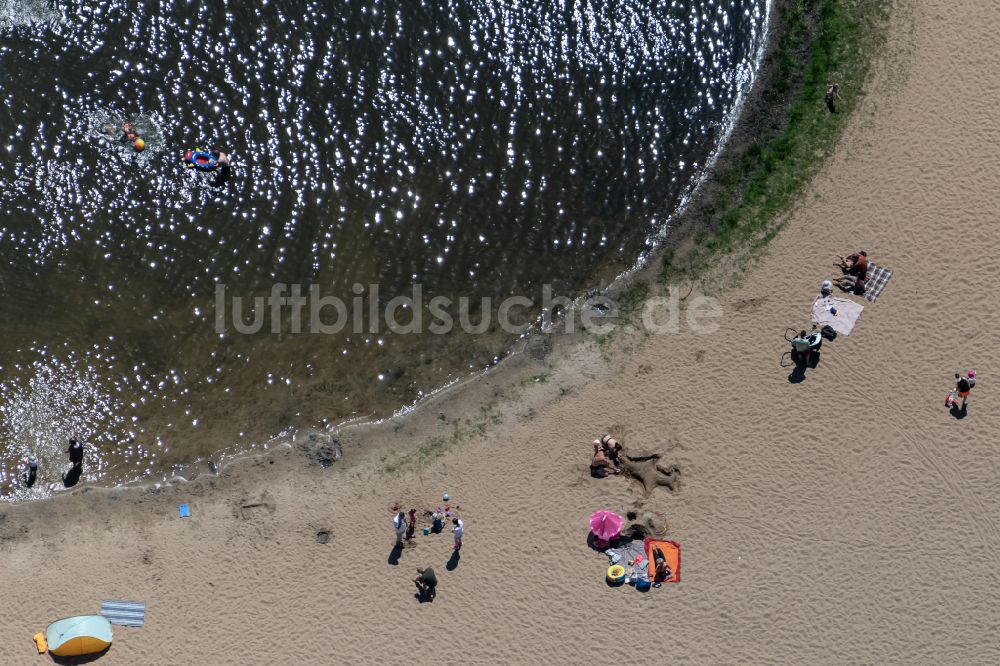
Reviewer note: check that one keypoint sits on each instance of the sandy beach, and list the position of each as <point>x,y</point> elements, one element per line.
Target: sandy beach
<point>847,518</point>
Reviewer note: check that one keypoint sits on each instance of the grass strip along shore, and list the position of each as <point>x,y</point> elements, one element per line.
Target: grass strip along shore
<point>772,156</point>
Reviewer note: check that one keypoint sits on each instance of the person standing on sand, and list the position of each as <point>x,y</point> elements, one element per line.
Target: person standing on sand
<point>831,94</point>
<point>399,523</point>
<point>75,452</point>
<point>459,531</point>
<point>411,525</point>
<point>963,387</point>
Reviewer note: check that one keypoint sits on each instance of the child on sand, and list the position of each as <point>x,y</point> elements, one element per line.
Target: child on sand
<point>411,525</point>
<point>459,531</point>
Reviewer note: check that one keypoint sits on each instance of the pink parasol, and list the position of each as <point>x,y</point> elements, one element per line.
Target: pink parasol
<point>606,525</point>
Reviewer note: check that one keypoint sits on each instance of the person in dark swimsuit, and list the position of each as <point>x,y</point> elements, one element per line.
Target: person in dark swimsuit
<point>75,452</point>
<point>663,571</point>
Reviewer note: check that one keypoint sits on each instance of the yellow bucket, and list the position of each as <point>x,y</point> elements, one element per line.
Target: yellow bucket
<point>616,573</point>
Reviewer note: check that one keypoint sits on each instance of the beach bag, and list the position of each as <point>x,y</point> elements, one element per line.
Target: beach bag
<point>828,333</point>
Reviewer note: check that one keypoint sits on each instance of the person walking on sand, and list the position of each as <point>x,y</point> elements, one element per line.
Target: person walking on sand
<point>459,531</point>
<point>75,452</point>
<point>399,522</point>
<point>831,94</point>
<point>963,388</point>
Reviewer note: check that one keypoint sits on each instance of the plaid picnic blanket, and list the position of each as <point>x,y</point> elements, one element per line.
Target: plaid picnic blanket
<point>629,549</point>
<point>878,277</point>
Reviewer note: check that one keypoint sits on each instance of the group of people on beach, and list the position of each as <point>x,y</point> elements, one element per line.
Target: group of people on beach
<point>963,387</point>
<point>854,279</point>
<point>405,527</point>
<point>607,457</point>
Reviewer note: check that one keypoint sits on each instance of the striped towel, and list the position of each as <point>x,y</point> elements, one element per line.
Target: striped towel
<point>878,277</point>
<point>124,613</point>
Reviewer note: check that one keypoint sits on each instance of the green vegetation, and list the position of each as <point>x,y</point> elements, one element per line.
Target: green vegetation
<point>633,299</point>
<point>489,415</point>
<point>822,41</point>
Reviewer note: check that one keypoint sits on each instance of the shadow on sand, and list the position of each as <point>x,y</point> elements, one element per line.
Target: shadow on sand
<point>86,659</point>
<point>798,375</point>
<point>394,555</point>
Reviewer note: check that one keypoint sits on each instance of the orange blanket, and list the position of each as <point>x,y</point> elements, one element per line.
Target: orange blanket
<point>671,551</point>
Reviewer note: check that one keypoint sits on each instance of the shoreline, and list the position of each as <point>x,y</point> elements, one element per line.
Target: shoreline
<point>844,517</point>
<point>619,281</point>
<point>610,282</point>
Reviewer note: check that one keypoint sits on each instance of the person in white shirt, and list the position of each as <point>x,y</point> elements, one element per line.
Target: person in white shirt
<point>459,530</point>
<point>399,522</point>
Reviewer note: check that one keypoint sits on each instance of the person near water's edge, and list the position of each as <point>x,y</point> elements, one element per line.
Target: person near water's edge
<point>75,452</point>
<point>30,472</point>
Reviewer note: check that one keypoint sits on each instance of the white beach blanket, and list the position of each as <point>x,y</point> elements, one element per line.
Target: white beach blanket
<point>839,314</point>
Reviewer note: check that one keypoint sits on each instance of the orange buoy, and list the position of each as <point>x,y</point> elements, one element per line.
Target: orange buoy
<point>140,145</point>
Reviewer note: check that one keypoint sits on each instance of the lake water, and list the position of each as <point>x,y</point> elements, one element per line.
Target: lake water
<point>479,148</point>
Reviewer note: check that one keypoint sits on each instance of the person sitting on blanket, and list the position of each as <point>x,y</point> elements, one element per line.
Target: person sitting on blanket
<point>663,571</point>
<point>600,466</point>
<point>855,269</point>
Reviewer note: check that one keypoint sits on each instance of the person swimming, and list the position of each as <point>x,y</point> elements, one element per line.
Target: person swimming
<point>129,133</point>
<point>223,170</point>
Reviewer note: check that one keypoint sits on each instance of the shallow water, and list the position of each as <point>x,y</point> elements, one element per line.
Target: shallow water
<point>478,148</point>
